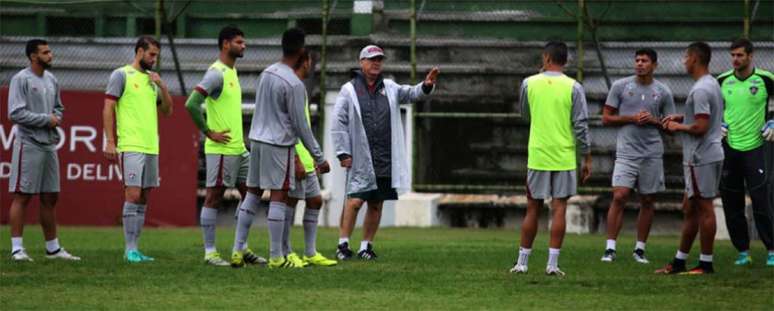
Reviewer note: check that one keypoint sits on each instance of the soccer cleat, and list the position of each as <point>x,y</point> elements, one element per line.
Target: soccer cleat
<point>20,255</point>
<point>554,271</point>
<point>296,260</point>
<point>253,259</point>
<point>639,256</point>
<point>319,260</point>
<point>517,268</point>
<point>145,258</point>
<point>213,259</point>
<point>744,259</point>
<point>343,252</point>
<point>609,255</point>
<point>699,270</point>
<point>61,253</point>
<point>133,256</point>
<point>770,260</point>
<point>368,253</point>
<point>671,268</point>
<point>282,262</point>
<point>237,259</point>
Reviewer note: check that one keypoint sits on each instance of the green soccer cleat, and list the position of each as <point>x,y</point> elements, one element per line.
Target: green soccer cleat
<point>237,259</point>
<point>213,259</point>
<point>296,260</point>
<point>744,259</point>
<point>133,256</point>
<point>282,262</point>
<point>319,260</point>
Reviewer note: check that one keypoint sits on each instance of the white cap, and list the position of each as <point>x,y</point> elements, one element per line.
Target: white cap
<point>371,51</point>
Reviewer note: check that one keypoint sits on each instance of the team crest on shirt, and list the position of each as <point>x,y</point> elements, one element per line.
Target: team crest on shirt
<point>136,86</point>
<point>231,84</point>
<point>132,176</point>
<point>754,90</point>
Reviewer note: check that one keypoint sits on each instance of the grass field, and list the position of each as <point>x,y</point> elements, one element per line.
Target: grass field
<point>417,269</point>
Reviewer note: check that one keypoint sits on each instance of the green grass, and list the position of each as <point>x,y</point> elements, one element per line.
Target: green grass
<point>458,269</point>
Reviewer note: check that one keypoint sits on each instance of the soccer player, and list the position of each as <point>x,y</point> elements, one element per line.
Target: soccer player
<point>278,123</point>
<point>636,104</point>
<point>746,92</point>
<point>307,188</point>
<point>227,158</point>
<point>556,106</point>
<point>700,127</point>
<point>134,96</point>
<point>35,108</point>
<point>368,136</point>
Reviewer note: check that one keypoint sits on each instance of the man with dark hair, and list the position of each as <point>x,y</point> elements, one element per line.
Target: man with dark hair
<point>368,136</point>
<point>226,157</point>
<point>35,108</point>
<point>307,188</point>
<point>702,159</point>
<point>145,42</point>
<point>636,104</point>
<point>278,124</point>
<point>292,42</point>
<point>134,96</point>
<point>746,91</point>
<point>555,106</point>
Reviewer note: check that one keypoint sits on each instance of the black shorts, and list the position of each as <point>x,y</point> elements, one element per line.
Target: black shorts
<point>383,192</point>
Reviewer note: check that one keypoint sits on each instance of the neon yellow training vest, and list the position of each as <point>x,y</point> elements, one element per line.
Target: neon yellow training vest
<point>551,141</point>
<point>225,113</point>
<point>136,114</point>
<point>303,154</point>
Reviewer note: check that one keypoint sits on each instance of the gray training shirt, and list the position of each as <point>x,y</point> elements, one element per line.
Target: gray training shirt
<point>115,87</point>
<point>31,101</point>
<point>580,112</point>
<point>629,98</point>
<point>705,100</point>
<point>212,83</point>
<point>280,117</point>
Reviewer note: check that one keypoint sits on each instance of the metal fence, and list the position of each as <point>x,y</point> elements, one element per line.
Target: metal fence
<point>469,137</point>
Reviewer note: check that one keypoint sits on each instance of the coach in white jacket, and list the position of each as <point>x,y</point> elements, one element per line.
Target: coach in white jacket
<point>368,137</point>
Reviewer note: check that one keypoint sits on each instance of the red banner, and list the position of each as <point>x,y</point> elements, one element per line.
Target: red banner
<point>91,187</point>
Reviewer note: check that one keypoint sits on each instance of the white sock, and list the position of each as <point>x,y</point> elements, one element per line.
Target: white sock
<point>681,255</point>
<point>553,257</point>
<point>364,245</point>
<point>705,258</point>
<point>610,244</point>
<point>343,240</point>
<point>52,246</point>
<point>523,256</point>
<point>16,244</point>
<point>207,220</point>
<point>639,245</point>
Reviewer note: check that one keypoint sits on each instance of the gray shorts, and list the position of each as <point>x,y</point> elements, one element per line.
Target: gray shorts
<point>271,166</point>
<point>703,180</point>
<point>647,174</point>
<point>554,184</point>
<point>307,188</point>
<point>140,169</point>
<point>227,170</point>
<point>34,168</point>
